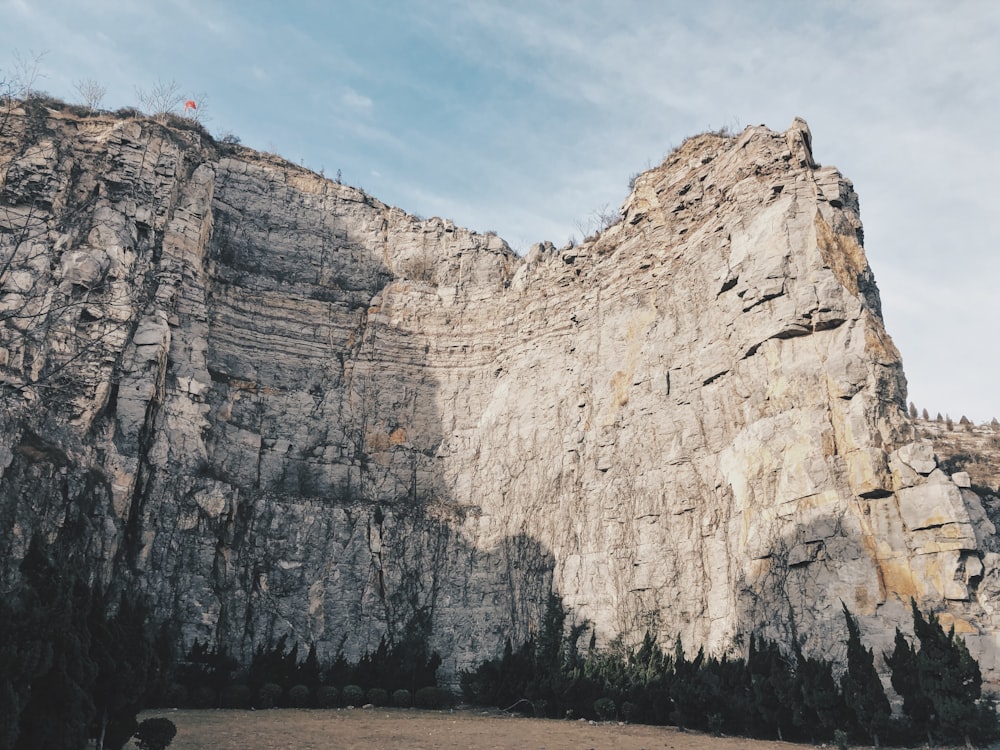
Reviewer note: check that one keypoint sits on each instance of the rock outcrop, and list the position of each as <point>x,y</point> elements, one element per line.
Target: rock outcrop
<point>277,405</point>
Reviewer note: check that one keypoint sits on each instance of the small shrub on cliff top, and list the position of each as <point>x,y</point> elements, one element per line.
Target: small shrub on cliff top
<point>378,696</point>
<point>401,698</point>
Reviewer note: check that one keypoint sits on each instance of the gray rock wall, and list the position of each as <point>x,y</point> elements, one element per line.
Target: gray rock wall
<point>277,405</point>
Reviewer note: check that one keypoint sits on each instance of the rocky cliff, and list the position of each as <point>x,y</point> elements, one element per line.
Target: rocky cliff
<point>277,405</point>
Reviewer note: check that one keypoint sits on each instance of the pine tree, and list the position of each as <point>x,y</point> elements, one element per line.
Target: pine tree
<point>906,683</point>
<point>861,686</point>
<point>925,416</point>
<point>64,689</point>
<point>125,659</point>
<point>949,678</point>
<point>772,686</point>
<point>821,706</point>
<point>913,411</point>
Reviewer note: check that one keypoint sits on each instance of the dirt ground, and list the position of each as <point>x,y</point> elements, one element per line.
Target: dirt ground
<point>399,729</point>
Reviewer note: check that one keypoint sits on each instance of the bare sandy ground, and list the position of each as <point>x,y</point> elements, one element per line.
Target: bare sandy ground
<point>399,729</point>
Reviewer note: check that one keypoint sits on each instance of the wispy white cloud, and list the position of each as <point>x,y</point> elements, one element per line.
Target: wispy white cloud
<point>358,103</point>
<point>525,116</point>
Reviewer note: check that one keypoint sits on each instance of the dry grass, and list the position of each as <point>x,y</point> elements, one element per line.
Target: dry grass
<point>388,729</point>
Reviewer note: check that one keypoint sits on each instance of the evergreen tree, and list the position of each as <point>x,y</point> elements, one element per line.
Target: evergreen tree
<point>820,705</point>
<point>863,693</point>
<point>64,689</point>
<point>949,678</point>
<point>772,687</point>
<point>687,690</point>
<point>906,683</point>
<point>125,660</point>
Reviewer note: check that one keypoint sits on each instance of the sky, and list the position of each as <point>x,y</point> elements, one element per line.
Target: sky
<point>527,118</point>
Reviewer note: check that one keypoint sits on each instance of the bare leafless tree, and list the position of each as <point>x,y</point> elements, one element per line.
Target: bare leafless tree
<point>597,221</point>
<point>49,319</point>
<point>91,93</point>
<point>201,108</point>
<point>162,98</point>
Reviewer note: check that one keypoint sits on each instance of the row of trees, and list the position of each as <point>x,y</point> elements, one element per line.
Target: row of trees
<point>769,694</point>
<point>69,672</point>
<point>77,665</point>
<point>401,672</point>
<point>964,421</point>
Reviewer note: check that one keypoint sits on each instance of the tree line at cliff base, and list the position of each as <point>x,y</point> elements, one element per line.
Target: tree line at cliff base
<point>77,666</point>
<point>772,693</point>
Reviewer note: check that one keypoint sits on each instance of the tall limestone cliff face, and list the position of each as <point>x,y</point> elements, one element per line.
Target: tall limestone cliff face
<point>276,405</point>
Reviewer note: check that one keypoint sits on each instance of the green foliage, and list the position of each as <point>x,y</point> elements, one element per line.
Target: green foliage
<point>605,709</point>
<point>237,695</point>
<point>299,696</point>
<point>275,664</point>
<point>69,671</point>
<point>327,696</point>
<point>773,688</point>
<point>268,695</point>
<point>401,698</point>
<point>771,693</point>
<point>819,707</point>
<point>863,693</point>
<point>378,697</point>
<point>433,698</point>
<point>155,734</point>
<point>405,662</point>
<point>205,672</point>
<point>353,695</point>
<point>941,684</point>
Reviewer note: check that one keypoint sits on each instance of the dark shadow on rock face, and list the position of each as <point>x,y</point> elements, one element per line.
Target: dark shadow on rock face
<point>794,594</point>
<point>282,464</point>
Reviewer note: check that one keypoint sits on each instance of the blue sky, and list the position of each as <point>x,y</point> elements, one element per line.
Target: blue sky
<point>527,117</point>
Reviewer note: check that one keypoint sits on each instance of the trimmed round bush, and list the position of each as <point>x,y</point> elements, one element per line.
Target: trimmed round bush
<point>378,697</point>
<point>235,696</point>
<point>155,734</point>
<point>299,696</point>
<point>268,695</point>
<point>203,697</point>
<point>630,711</point>
<point>605,709</point>
<point>175,696</point>
<point>401,698</point>
<point>432,698</point>
<point>328,697</point>
<point>353,695</point>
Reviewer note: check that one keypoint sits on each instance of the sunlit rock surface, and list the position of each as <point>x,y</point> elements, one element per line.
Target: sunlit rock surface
<point>277,405</point>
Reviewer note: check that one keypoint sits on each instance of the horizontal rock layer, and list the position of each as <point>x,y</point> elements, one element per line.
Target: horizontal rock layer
<point>279,406</point>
